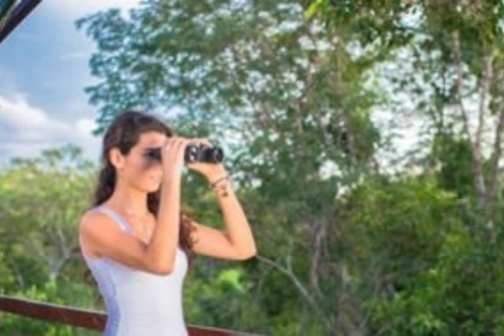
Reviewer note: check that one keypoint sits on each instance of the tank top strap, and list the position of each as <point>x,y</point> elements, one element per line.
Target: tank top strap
<point>121,221</point>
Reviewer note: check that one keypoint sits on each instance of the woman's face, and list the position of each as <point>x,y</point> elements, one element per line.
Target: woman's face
<point>141,171</point>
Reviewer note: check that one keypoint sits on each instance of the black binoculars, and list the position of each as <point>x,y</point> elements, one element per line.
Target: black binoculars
<point>193,153</point>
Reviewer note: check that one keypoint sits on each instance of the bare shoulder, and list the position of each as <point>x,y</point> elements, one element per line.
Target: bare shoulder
<point>94,220</point>
<point>95,227</point>
<point>97,232</point>
<point>101,236</point>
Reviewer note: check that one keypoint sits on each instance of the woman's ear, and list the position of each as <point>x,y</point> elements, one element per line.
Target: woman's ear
<point>116,158</point>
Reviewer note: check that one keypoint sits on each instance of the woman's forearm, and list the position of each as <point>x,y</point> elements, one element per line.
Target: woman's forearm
<point>237,227</point>
<point>165,239</point>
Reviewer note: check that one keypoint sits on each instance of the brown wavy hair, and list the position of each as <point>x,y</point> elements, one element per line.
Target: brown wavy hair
<point>124,133</point>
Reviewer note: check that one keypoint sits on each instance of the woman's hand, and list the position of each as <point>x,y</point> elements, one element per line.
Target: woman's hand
<point>172,155</point>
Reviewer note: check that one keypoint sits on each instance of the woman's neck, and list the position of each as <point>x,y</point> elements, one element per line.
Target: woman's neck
<point>128,200</point>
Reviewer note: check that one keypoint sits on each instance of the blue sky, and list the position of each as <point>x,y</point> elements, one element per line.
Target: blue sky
<point>43,73</point>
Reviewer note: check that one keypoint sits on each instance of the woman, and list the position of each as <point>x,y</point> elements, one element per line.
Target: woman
<point>135,239</point>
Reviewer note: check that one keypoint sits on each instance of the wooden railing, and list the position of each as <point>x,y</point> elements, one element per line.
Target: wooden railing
<point>87,319</point>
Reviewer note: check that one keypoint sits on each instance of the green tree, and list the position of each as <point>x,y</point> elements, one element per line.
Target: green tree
<point>258,74</point>
<point>41,200</point>
<point>446,62</point>
<point>291,89</point>
<point>44,197</point>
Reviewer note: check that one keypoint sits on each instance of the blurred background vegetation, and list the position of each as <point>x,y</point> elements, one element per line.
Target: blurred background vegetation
<point>365,141</point>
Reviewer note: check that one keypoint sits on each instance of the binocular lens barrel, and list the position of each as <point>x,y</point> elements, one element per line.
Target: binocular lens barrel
<point>193,153</point>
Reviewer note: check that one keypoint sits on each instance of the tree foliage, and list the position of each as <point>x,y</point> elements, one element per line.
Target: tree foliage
<point>350,243</point>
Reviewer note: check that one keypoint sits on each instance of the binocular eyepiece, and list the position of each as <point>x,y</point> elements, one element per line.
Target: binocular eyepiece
<point>193,153</point>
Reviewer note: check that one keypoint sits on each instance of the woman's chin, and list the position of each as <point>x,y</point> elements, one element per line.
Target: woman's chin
<point>153,187</point>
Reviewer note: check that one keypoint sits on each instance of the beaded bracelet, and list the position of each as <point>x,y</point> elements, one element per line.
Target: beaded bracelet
<point>221,188</point>
<point>214,184</point>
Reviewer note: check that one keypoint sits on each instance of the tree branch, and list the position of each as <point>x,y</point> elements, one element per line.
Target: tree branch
<point>477,166</point>
<point>288,271</point>
<point>485,88</point>
<point>320,235</point>
<point>496,154</point>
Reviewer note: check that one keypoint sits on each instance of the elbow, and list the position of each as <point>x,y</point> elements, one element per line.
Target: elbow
<point>246,255</point>
<point>159,263</point>
<point>161,269</point>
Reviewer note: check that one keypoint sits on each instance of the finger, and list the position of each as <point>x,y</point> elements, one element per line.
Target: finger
<point>172,148</point>
<point>169,142</point>
<point>203,141</point>
<point>168,149</point>
<point>173,142</point>
<point>181,146</point>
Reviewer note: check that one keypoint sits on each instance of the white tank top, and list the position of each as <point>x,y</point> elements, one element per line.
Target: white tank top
<point>139,303</point>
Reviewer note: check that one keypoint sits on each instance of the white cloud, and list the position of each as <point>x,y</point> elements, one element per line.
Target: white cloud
<point>25,130</point>
<point>9,82</point>
<point>78,8</point>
